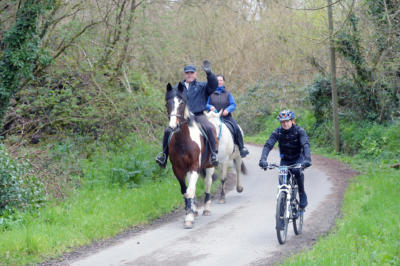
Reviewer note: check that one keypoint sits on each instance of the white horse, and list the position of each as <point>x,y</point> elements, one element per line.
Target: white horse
<point>227,152</point>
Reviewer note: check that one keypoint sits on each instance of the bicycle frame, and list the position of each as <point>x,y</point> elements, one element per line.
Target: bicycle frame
<point>286,184</point>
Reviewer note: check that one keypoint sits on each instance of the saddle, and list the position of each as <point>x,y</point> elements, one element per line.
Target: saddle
<point>231,128</point>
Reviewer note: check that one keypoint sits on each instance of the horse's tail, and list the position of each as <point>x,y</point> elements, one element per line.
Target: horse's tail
<point>243,168</point>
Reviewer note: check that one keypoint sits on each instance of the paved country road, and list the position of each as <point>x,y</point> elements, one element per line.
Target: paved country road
<point>240,232</point>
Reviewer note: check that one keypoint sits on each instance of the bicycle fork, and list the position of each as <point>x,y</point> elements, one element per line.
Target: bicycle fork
<point>284,188</point>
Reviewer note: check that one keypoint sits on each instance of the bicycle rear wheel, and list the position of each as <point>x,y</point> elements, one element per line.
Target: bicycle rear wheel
<point>297,217</point>
<point>281,220</point>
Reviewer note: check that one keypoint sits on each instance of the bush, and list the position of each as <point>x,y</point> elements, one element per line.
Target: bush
<point>18,187</point>
<point>123,163</point>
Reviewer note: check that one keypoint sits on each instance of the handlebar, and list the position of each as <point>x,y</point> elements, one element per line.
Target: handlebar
<point>293,166</point>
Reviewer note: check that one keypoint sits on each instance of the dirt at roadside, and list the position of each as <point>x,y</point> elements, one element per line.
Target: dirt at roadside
<point>321,221</point>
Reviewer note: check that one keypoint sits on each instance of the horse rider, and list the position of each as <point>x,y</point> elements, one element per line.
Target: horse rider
<point>197,94</point>
<point>221,99</point>
<point>293,148</point>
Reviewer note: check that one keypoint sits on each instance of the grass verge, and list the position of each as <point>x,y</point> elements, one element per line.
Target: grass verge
<point>120,188</point>
<point>369,230</point>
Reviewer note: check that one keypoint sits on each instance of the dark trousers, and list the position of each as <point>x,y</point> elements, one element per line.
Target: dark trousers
<point>237,135</point>
<point>298,174</point>
<point>205,124</point>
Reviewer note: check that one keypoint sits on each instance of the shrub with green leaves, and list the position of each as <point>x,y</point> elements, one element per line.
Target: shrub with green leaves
<point>18,187</point>
<point>126,162</point>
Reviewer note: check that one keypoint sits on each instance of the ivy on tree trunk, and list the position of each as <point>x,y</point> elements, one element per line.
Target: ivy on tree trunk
<point>21,50</point>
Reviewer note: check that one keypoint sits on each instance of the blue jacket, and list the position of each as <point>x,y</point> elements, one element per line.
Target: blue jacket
<point>198,93</point>
<point>232,104</point>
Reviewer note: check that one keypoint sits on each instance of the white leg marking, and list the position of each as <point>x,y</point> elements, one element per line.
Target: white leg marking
<point>208,179</point>
<point>192,180</point>
<point>189,217</point>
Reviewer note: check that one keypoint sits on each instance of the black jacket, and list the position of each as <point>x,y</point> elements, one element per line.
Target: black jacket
<point>198,92</point>
<point>293,144</point>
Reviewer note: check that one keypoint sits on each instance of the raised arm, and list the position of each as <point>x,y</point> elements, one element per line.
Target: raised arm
<point>212,82</point>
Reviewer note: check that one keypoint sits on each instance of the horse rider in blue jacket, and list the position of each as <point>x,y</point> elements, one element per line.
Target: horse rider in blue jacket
<point>221,99</point>
<point>197,94</point>
<point>293,148</point>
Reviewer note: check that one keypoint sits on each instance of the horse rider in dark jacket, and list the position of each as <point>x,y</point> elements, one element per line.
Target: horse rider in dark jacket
<point>197,94</point>
<point>293,148</point>
<point>223,100</point>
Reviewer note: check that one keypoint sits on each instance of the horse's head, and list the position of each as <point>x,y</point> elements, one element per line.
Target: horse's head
<point>213,117</point>
<point>175,99</point>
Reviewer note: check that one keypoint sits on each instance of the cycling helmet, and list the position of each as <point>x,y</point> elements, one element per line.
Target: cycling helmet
<point>285,115</point>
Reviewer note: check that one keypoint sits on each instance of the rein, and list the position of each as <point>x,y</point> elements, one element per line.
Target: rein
<point>220,129</point>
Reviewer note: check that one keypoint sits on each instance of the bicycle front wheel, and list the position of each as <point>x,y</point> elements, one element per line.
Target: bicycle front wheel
<point>297,217</point>
<point>281,219</point>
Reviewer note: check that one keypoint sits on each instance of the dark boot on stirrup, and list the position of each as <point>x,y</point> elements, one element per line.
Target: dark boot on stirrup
<point>161,159</point>
<point>214,159</point>
<point>244,152</point>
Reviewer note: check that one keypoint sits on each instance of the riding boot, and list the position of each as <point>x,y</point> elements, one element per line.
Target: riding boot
<point>214,151</point>
<point>162,157</point>
<point>242,149</point>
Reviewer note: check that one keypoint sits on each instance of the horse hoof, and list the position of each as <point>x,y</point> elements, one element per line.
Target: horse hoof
<point>221,201</point>
<point>239,189</point>
<point>188,225</point>
<point>206,213</point>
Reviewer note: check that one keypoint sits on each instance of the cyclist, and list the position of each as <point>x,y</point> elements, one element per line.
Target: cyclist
<point>222,99</point>
<point>293,148</point>
<point>197,94</point>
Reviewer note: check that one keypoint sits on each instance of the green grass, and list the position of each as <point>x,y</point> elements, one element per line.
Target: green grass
<point>121,187</point>
<point>369,230</point>
<point>90,214</point>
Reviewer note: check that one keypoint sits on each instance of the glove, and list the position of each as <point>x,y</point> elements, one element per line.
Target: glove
<point>306,164</point>
<point>206,66</point>
<point>263,164</point>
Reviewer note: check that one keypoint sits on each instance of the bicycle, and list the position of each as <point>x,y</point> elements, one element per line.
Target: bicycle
<point>287,204</point>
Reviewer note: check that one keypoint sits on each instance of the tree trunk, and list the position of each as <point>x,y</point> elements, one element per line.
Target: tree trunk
<point>333,77</point>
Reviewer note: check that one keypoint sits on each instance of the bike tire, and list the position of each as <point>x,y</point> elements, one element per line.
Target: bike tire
<point>297,219</point>
<point>281,220</point>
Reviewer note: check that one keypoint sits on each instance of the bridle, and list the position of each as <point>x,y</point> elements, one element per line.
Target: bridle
<point>180,121</point>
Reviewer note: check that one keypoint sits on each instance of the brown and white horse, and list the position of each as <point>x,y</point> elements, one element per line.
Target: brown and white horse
<point>186,150</point>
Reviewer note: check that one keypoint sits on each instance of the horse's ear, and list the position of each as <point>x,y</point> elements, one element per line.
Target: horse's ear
<point>180,87</point>
<point>169,87</point>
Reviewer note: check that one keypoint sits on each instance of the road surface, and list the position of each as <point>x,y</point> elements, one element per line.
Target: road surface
<point>240,232</point>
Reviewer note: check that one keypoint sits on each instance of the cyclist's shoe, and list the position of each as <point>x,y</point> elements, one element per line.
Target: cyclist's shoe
<point>302,211</point>
<point>214,159</point>
<point>244,152</point>
<point>161,159</point>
